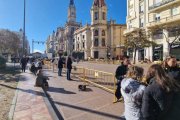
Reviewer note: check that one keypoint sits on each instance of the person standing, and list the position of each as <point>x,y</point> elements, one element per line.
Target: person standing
<point>171,68</point>
<point>60,66</point>
<point>120,72</point>
<point>158,99</point>
<point>23,63</point>
<point>69,67</point>
<point>132,91</point>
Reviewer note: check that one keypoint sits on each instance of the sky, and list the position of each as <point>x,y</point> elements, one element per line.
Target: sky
<point>44,16</point>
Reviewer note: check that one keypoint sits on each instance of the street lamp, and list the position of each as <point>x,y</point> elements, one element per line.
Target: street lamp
<point>24,24</point>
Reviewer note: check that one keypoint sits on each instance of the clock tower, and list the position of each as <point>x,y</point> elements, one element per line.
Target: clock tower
<point>71,12</point>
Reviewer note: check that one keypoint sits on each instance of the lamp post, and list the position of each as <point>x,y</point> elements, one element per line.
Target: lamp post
<point>24,27</point>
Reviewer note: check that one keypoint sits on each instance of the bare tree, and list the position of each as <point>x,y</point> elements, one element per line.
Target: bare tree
<point>136,40</point>
<point>9,42</point>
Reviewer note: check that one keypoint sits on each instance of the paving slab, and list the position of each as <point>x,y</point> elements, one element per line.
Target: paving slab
<point>72,104</point>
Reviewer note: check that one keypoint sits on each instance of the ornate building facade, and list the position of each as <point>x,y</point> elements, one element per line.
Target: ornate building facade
<point>101,39</point>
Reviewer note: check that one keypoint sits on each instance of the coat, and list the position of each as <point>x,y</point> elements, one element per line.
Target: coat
<point>132,92</point>
<point>60,63</point>
<point>69,63</point>
<point>121,71</point>
<point>173,72</point>
<point>156,102</point>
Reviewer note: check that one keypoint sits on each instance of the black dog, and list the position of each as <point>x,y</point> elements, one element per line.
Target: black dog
<point>82,87</point>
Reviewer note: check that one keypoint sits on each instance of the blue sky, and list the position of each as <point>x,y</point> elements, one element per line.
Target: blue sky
<point>44,16</point>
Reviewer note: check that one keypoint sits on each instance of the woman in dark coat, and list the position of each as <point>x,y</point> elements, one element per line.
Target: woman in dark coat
<point>158,97</point>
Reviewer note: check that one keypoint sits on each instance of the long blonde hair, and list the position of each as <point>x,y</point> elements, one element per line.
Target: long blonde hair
<point>135,72</point>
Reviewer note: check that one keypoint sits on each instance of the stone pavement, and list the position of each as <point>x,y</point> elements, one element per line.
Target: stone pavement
<point>30,103</point>
<point>72,104</point>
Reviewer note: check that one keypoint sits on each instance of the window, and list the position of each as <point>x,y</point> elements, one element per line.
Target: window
<point>73,47</point>
<point>103,42</point>
<point>78,46</point>
<point>103,33</point>
<point>83,36</point>
<point>141,9</point>
<point>104,16</point>
<point>157,1</point>
<point>83,44</point>
<point>175,11</point>
<point>96,16</point>
<point>141,22</point>
<point>96,33</point>
<point>96,42</point>
<point>158,34</point>
<point>73,40</point>
<point>157,17</point>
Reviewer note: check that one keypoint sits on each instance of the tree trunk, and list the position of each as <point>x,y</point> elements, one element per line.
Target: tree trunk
<point>134,59</point>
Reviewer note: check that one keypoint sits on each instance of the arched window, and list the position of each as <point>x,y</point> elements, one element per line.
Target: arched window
<point>103,33</point>
<point>103,42</point>
<point>96,33</point>
<point>96,16</point>
<point>104,16</point>
<point>96,42</point>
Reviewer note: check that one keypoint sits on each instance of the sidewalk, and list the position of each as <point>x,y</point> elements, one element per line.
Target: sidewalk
<point>72,104</point>
<point>30,103</point>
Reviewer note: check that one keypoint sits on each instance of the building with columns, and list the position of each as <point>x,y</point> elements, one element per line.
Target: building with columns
<point>101,39</point>
<point>162,19</point>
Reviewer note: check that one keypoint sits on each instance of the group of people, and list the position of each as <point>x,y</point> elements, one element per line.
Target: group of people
<point>157,98</point>
<point>68,64</point>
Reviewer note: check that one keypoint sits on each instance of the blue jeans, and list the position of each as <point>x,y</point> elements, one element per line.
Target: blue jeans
<point>68,74</point>
<point>60,71</point>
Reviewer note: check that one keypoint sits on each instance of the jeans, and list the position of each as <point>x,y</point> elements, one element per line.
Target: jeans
<point>68,74</point>
<point>60,71</point>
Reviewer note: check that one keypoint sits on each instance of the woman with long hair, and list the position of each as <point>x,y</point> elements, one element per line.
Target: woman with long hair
<point>158,96</point>
<point>132,91</point>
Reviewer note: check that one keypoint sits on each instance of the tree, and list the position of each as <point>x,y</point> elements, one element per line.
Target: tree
<point>171,38</point>
<point>136,40</point>
<point>9,42</point>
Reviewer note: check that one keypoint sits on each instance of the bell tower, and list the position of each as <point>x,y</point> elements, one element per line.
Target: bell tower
<point>99,12</point>
<point>71,11</point>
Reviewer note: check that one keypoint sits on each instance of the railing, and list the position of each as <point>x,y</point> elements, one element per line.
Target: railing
<point>100,79</point>
<point>160,4</point>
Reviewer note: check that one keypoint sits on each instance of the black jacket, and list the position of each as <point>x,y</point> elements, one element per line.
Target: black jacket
<point>174,72</point>
<point>23,61</point>
<point>121,71</point>
<point>69,63</point>
<point>156,102</point>
<point>60,63</point>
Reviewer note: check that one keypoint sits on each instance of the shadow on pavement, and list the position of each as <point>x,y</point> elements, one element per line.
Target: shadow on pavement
<point>59,90</point>
<point>89,110</point>
<point>27,91</point>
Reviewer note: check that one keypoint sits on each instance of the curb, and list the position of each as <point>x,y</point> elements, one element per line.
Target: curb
<point>13,104</point>
<point>50,107</point>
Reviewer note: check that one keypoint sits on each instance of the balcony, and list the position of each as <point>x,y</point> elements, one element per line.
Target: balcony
<point>162,5</point>
<point>128,31</point>
<point>175,19</point>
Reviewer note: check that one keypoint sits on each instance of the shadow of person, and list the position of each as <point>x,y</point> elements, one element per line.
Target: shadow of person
<point>59,90</point>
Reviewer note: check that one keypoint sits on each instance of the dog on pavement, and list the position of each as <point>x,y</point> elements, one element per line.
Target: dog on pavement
<point>82,87</point>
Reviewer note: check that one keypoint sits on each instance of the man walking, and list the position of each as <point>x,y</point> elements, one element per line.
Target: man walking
<point>120,72</point>
<point>23,63</point>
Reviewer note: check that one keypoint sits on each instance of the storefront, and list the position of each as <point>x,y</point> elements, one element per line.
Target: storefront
<point>141,54</point>
<point>158,52</point>
<point>175,50</point>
